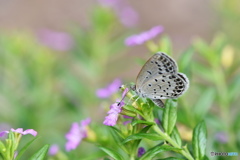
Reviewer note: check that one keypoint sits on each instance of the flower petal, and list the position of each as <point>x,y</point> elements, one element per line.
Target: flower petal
<point>141,151</point>
<point>3,133</point>
<point>53,150</point>
<point>30,131</point>
<point>139,39</point>
<point>18,130</point>
<point>76,133</point>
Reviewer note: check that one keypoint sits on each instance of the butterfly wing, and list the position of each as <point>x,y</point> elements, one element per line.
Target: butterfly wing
<point>158,64</point>
<point>165,86</point>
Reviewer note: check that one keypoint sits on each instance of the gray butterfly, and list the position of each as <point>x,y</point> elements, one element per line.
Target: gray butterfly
<point>159,79</point>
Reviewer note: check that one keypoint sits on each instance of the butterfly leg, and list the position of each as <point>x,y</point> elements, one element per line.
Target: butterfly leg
<point>158,102</point>
<point>132,99</point>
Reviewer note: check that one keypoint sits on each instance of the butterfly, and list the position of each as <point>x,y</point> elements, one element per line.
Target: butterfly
<point>159,79</point>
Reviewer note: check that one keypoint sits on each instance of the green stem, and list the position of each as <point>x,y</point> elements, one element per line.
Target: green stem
<point>165,136</point>
<point>172,142</point>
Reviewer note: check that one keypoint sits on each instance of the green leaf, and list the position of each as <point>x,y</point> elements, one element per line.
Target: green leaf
<point>203,48</point>
<point>117,135</point>
<point>166,45</point>
<point>151,153</point>
<point>170,115</point>
<point>99,154</point>
<point>25,148</point>
<point>176,136</point>
<point>131,108</point>
<point>111,153</point>
<point>204,102</point>
<point>234,89</point>
<point>117,131</point>
<point>203,72</point>
<point>2,149</point>
<point>150,136</point>
<point>137,142</point>
<point>199,140</point>
<point>185,60</point>
<point>141,122</point>
<point>145,129</point>
<point>205,158</point>
<point>152,46</point>
<point>171,158</point>
<point>39,155</point>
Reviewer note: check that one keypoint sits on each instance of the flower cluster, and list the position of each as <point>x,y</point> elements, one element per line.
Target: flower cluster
<point>21,131</point>
<point>115,109</point>
<point>109,89</point>
<point>127,15</point>
<point>141,38</point>
<point>59,41</point>
<point>53,150</point>
<point>76,134</point>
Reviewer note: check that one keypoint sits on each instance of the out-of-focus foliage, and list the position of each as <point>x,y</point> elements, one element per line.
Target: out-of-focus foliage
<point>47,90</point>
<point>229,19</point>
<point>42,87</point>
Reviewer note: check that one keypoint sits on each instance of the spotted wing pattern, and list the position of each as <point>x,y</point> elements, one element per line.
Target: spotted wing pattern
<point>159,63</point>
<point>165,86</point>
<point>159,78</point>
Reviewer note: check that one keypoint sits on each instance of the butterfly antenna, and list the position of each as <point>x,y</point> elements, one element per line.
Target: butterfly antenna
<point>122,96</point>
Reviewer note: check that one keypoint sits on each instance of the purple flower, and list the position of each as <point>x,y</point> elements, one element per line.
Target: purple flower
<point>76,134</point>
<point>53,150</point>
<point>115,109</point>
<point>109,90</point>
<point>126,122</point>
<point>112,117</point>
<point>3,133</point>
<point>27,131</point>
<point>20,130</point>
<point>157,121</point>
<point>141,151</point>
<point>127,15</point>
<point>141,38</point>
<point>127,117</point>
<point>222,137</point>
<point>60,41</point>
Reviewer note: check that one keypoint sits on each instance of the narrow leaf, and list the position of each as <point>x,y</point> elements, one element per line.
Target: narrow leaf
<point>39,155</point>
<point>117,136</point>
<point>115,155</point>
<point>203,71</point>
<point>199,140</point>
<point>176,136</point>
<point>150,136</point>
<point>171,158</point>
<point>25,148</point>
<point>185,60</point>
<point>131,108</point>
<point>202,47</point>
<point>166,45</point>
<point>144,130</point>
<point>151,153</point>
<point>204,102</point>
<point>117,131</point>
<point>170,115</point>
<point>141,122</point>
<point>234,89</point>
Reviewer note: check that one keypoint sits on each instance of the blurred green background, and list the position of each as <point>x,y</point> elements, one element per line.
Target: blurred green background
<point>54,55</point>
